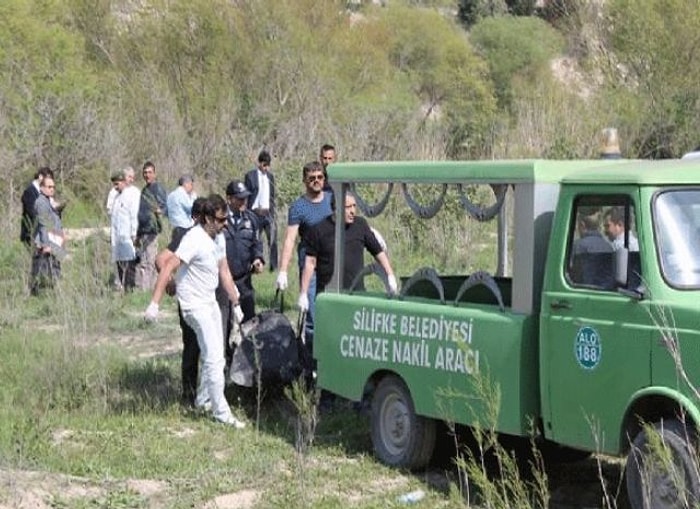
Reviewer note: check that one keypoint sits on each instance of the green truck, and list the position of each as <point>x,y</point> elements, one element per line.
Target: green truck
<point>584,331</point>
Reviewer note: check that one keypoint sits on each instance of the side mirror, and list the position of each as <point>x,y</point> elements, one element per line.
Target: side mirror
<point>621,264</point>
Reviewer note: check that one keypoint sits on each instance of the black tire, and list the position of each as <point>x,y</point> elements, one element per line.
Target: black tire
<point>399,436</point>
<point>651,484</point>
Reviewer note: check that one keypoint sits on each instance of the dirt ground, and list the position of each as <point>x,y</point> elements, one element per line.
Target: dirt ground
<point>41,490</point>
<point>573,486</point>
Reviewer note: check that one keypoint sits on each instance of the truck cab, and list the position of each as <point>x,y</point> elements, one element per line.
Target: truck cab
<point>583,330</point>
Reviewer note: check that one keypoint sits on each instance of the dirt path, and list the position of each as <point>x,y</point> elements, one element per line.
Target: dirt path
<point>23,489</point>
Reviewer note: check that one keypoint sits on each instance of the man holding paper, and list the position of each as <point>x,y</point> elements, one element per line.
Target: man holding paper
<point>48,239</point>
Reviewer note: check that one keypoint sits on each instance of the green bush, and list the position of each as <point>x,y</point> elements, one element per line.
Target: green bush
<point>516,48</point>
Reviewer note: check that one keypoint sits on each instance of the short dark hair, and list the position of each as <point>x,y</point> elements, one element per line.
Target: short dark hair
<point>326,147</point>
<point>312,167</point>
<point>148,164</point>
<point>44,171</point>
<point>264,157</point>
<point>589,217</point>
<point>217,203</point>
<point>616,215</point>
<point>198,207</point>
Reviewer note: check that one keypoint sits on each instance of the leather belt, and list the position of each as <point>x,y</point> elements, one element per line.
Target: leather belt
<point>262,212</point>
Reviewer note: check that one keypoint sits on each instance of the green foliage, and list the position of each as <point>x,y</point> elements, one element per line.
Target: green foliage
<point>470,12</point>
<point>558,12</point>
<point>516,48</point>
<point>47,88</point>
<point>657,75</point>
<point>445,73</point>
<point>201,86</point>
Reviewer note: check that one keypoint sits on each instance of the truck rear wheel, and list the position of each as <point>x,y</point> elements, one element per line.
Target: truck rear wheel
<point>400,437</point>
<point>662,471</point>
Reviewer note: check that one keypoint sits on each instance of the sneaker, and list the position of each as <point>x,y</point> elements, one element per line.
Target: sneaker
<point>233,422</point>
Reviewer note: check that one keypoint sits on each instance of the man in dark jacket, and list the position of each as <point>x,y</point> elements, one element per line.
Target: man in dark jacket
<point>592,254</point>
<point>244,253</point>
<point>152,208</point>
<point>260,182</point>
<point>29,196</point>
<point>48,239</point>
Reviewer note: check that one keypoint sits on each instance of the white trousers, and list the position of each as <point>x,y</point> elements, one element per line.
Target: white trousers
<point>206,323</point>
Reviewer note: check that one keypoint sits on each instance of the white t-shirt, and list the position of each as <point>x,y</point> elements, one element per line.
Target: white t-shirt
<point>198,278</point>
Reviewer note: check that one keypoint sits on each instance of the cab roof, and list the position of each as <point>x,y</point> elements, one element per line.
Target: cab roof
<point>596,171</point>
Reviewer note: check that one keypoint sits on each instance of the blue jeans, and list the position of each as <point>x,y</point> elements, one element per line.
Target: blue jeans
<point>309,324</point>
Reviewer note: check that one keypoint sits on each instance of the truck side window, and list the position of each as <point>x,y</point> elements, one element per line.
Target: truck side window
<point>601,225</point>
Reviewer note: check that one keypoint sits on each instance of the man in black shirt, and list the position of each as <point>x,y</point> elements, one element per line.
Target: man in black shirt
<point>320,252</point>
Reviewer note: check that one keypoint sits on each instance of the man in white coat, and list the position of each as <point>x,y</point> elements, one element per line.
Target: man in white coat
<point>124,224</point>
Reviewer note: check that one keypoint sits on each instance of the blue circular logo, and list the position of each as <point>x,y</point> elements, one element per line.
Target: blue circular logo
<point>587,348</point>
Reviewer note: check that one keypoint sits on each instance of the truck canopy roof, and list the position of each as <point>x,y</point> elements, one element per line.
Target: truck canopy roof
<point>597,171</point>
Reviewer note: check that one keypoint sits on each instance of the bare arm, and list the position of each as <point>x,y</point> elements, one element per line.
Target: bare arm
<point>227,282</point>
<point>383,260</point>
<point>290,238</point>
<point>162,258</point>
<point>171,265</point>
<point>308,272</point>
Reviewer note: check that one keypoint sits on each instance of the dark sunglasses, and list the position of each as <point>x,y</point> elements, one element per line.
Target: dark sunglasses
<point>314,178</point>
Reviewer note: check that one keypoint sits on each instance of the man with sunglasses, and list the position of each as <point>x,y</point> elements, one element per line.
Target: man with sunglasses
<point>48,239</point>
<point>306,211</point>
<point>202,254</point>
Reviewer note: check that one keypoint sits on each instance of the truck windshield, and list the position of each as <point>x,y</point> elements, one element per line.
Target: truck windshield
<point>677,227</point>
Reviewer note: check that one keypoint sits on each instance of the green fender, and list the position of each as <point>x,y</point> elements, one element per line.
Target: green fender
<point>687,404</point>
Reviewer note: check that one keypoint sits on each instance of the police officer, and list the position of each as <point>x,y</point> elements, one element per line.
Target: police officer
<point>244,252</point>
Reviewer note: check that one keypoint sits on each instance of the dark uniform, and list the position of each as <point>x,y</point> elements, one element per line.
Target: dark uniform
<point>243,247</point>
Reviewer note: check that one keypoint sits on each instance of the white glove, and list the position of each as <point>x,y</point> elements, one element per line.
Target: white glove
<point>237,314</point>
<point>393,285</point>
<point>303,301</point>
<point>151,313</point>
<point>282,280</point>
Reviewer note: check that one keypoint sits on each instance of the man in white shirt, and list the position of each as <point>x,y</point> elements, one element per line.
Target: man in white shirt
<point>200,262</point>
<point>615,230</point>
<point>260,182</point>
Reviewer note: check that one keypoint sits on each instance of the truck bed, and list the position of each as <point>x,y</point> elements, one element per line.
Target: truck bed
<point>448,354</point>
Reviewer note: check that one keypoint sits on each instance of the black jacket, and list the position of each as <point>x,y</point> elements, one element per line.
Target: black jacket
<point>243,244</point>
<point>251,183</point>
<point>153,195</point>
<point>29,196</point>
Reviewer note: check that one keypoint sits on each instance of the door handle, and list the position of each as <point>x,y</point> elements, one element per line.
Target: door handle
<point>560,304</point>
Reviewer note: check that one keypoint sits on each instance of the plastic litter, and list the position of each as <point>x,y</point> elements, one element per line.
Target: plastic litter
<point>412,497</point>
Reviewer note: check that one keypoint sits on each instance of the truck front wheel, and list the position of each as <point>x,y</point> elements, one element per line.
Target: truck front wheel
<point>400,437</point>
<point>662,470</point>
